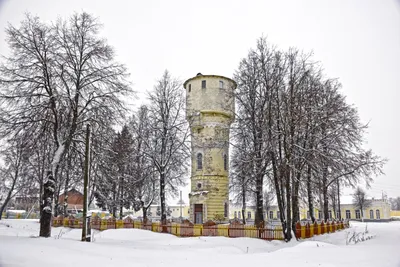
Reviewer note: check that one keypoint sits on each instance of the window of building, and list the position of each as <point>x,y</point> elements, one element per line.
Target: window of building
<point>371,214</point>
<point>249,215</point>
<point>235,214</point>
<point>378,215</point>
<point>320,215</point>
<point>308,214</point>
<point>225,162</point>
<point>226,210</point>
<point>348,215</point>
<point>239,215</point>
<point>358,215</point>
<point>190,88</point>
<point>203,84</point>
<point>330,214</point>
<point>221,85</point>
<point>278,215</point>
<point>337,215</point>
<point>271,215</point>
<point>199,161</point>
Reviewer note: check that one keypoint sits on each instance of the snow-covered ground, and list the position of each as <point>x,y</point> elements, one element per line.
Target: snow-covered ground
<point>20,246</point>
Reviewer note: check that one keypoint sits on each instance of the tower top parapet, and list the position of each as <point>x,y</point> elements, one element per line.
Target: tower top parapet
<point>201,76</point>
<point>210,95</point>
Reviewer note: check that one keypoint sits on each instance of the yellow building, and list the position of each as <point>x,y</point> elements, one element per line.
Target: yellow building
<point>272,214</point>
<point>173,212</point>
<point>176,211</point>
<point>210,112</point>
<point>378,210</point>
<point>235,212</point>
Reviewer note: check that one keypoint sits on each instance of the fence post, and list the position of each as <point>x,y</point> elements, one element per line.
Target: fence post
<point>308,234</point>
<point>298,230</point>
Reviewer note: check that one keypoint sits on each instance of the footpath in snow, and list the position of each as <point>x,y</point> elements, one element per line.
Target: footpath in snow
<point>20,246</point>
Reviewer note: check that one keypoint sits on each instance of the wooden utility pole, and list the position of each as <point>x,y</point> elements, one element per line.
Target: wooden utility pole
<point>85,185</point>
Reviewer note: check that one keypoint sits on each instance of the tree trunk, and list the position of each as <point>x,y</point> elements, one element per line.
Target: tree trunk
<point>326,202</point>
<point>279,194</point>
<point>243,202</point>
<point>333,204</point>
<point>5,203</point>
<point>309,194</point>
<point>46,206</point>
<point>288,206</point>
<point>295,200</point>
<point>259,216</point>
<point>162,202</point>
<point>85,228</point>
<point>65,204</point>
<point>121,202</point>
<point>8,198</point>
<point>362,213</point>
<point>41,178</point>
<point>114,205</point>
<point>40,195</point>
<point>56,203</point>
<point>338,198</point>
<point>325,192</point>
<point>144,209</point>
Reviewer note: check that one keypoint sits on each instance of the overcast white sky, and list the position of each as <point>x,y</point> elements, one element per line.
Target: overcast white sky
<point>356,41</point>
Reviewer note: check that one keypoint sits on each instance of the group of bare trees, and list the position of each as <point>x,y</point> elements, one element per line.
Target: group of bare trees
<point>294,135</point>
<point>58,78</point>
<point>148,159</point>
<point>62,76</point>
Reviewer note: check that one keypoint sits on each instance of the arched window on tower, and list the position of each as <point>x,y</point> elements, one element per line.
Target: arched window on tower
<point>199,161</point>
<point>225,162</point>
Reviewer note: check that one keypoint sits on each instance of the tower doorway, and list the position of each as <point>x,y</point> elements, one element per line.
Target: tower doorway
<point>198,213</point>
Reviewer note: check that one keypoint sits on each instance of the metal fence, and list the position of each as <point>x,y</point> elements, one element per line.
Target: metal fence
<point>178,229</point>
<point>309,229</point>
<point>269,232</point>
<point>20,215</point>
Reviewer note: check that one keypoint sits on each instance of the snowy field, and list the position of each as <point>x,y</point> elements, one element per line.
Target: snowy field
<point>20,246</point>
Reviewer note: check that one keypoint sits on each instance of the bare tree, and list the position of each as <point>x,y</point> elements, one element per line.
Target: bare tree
<point>395,203</point>
<point>144,180</point>
<point>16,175</point>
<point>168,149</point>
<point>255,77</point>
<point>361,201</point>
<point>340,153</point>
<point>115,185</point>
<point>269,197</point>
<point>241,180</point>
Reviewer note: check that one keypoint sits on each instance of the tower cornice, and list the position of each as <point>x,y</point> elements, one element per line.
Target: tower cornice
<point>209,76</point>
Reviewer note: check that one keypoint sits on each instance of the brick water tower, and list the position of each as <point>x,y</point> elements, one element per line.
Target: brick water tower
<point>210,108</point>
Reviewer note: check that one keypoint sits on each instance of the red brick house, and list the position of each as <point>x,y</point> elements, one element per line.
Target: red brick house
<point>74,199</point>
